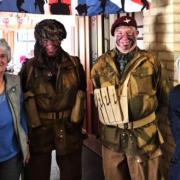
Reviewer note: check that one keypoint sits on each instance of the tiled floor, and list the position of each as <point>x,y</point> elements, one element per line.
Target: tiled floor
<point>91,162</point>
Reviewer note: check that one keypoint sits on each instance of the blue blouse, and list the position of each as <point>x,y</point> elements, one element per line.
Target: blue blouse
<point>9,146</point>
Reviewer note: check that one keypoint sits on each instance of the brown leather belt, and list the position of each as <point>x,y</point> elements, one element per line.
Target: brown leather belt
<point>55,115</point>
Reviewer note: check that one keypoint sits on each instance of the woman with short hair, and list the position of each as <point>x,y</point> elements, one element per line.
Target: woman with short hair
<point>14,151</point>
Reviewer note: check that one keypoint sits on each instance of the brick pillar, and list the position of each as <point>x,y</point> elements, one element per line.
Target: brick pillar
<point>162,36</point>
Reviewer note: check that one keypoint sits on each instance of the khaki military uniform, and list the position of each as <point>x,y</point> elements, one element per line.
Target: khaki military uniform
<point>51,95</point>
<point>136,140</point>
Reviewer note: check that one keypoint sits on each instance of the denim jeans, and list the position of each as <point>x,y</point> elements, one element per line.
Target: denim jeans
<point>11,169</point>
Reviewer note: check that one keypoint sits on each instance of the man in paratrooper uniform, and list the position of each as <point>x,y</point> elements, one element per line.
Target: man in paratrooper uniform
<point>130,87</point>
<point>54,84</point>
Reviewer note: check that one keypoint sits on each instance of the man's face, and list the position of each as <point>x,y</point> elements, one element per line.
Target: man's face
<point>51,47</point>
<point>125,38</point>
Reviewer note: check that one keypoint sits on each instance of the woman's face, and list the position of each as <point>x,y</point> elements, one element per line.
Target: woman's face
<point>51,47</point>
<point>3,61</point>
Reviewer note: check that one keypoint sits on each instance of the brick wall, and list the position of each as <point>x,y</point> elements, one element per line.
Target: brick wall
<point>162,36</point>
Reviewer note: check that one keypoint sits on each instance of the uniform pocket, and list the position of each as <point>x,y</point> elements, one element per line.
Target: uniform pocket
<point>147,137</point>
<point>110,137</point>
<point>141,81</point>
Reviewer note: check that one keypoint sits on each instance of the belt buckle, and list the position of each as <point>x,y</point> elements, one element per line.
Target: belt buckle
<point>60,115</point>
<point>125,125</point>
<point>56,115</point>
<point>128,125</point>
<point>53,115</point>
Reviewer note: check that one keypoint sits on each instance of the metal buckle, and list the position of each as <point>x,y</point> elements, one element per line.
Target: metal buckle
<point>128,125</point>
<point>55,115</point>
<point>125,125</point>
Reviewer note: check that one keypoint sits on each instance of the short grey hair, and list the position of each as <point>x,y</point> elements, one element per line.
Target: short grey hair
<point>5,46</point>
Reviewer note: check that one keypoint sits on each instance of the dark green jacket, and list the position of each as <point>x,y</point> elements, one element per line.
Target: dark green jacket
<point>147,91</point>
<point>50,88</point>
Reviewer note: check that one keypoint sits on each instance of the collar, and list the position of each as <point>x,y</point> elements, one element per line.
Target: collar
<point>127,56</point>
<point>11,81</point>
<point>43,61</point>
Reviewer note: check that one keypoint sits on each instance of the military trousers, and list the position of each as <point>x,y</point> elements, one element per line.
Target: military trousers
<point>118,166</point>
<point>39,166</point>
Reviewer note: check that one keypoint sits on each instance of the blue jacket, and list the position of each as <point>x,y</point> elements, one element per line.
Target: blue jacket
<point>174,116</point>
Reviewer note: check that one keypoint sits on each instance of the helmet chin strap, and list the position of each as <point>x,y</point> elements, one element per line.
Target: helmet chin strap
<point>129,50</point>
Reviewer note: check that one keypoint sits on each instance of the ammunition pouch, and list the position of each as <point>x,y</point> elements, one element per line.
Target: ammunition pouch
<point>77,114</point>
<point>113,110</point>
<point>31,109</point>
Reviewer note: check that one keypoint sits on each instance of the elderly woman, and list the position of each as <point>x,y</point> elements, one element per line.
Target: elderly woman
<point>14,151</point>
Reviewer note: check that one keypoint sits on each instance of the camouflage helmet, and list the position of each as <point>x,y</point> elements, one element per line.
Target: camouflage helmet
<point>49,29</point>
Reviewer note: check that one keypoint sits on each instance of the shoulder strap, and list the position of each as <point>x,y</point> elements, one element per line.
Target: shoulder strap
<point>123,88</point>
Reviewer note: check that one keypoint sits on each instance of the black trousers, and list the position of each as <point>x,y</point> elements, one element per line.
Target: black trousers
<point>39,166</point>
<point>11,169</point>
